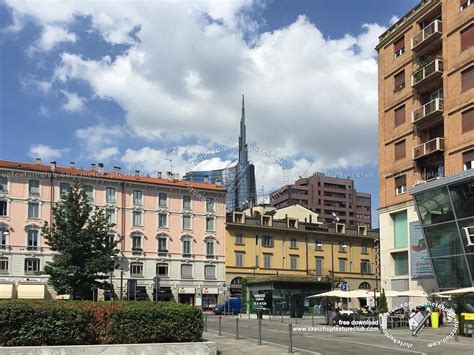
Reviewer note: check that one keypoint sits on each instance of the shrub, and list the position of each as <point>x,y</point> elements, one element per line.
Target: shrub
<point>24,323</point>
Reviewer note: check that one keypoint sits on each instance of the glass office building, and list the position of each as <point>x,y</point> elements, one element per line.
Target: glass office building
<point>446,212</point>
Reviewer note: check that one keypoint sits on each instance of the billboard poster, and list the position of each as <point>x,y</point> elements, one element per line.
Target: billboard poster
<point>420,260</point>
<point>263,299</point>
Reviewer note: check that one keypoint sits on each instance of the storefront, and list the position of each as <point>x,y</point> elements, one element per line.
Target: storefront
<point>31,290</point>
<point>186,295</point>
<point>6,290</point>
<point>446,212</point>
<point>209,297</point>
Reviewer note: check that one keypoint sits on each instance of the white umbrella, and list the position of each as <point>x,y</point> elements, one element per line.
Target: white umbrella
<point>334,293</point>
<point>458,292</point>
<point>362,294</point>
<point>408,293</point>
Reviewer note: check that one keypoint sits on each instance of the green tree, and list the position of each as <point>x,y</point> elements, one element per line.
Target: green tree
<point>79,234</point>
<point>382,304</point>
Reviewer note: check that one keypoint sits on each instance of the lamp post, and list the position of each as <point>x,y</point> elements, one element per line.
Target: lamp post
<point>121,283</point>
<point>377,256</point>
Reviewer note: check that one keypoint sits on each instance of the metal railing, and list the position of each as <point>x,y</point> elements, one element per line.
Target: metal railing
<point>429,147</point>
<point>436,105</point>
<point>436,66</point>
<point>435,27</point>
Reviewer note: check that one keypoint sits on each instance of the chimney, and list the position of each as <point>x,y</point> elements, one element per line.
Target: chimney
<point>159,175</point>
<point>72,164</point>
<point>206,179</point>
<point>101,168</point>
<point>117,169</point>
<point>137,172</point>
<point>53,166</point>
<point>38,161</point>
<point>93,166</point>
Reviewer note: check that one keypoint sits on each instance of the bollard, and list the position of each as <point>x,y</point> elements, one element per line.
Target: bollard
<point>220,325</point>
<point>249,315</point>
<point>259,332</point>
<point>296,318</point>
<point>312,320</point>
<point>205,324</point>
<point>290,332</point>
<point>281,317</point>
<point>236,328</point>
<point>240,315</point>
<point>270,316</point>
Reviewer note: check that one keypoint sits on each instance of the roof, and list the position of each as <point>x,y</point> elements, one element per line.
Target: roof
<point>116,175</point>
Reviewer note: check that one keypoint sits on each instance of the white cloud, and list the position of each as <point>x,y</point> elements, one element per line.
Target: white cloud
<point>45,152</point>
<point>99,142</point>
<point>73,103</point>
<point>51,36</point>
<point>107,153</point>
<point>394,19</point>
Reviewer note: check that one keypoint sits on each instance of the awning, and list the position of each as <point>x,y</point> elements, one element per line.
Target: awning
<point>6,291</point>
<point>346,294</point>
<point>459,292</point>
<point>187,290</point>
<point>210,291</point>
<point>31,291</point>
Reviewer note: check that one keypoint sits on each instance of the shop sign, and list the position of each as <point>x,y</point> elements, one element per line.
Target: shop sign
<point>469,236</point>
<point>210,290</point>
<point>188,290</point>
<point>263,299</point>
<point>420,262</point>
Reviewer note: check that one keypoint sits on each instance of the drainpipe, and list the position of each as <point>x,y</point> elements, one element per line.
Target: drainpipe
<point>123,216</point>
<point>307,266</point>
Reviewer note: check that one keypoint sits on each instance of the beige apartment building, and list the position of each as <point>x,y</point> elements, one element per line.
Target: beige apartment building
<point>426,126</point>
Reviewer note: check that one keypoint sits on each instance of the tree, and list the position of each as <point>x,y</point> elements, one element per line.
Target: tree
<point>382,306</point>
<point>81,239</point>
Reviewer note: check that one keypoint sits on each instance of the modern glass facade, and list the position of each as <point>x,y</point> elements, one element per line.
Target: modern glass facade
<point>446,211</point>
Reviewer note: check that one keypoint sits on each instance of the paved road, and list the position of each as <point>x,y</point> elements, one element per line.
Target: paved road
<point>306,341</point>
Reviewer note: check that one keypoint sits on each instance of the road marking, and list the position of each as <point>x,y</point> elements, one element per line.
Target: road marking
<point>269,342</point>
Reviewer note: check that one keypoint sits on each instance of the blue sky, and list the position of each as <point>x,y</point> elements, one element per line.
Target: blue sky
<point>138,84</point>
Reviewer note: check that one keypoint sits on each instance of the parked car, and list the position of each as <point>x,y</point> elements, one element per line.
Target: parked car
<point>232,306</point>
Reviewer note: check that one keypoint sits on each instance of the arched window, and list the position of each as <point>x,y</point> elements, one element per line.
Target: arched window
<point>364,286</point>
<point>236,281</point>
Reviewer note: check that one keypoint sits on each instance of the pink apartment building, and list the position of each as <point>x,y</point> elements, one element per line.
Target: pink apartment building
<point>167,228</point>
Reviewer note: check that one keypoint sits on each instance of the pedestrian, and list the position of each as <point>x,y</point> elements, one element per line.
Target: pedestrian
<point>440,313</point>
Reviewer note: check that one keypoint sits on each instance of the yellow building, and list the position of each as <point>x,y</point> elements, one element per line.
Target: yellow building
<point>296,244</point>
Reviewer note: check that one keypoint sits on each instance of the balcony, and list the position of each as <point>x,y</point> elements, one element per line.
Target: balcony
<point>427,148</point>
<point>432,109</point>
<point>427,73</point>
<point>427,36</point>
<point>137,251</point>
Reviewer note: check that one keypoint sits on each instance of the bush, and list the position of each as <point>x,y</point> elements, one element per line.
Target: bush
<point>24,323</point>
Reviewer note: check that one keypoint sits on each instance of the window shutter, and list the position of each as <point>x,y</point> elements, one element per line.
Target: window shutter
<point>209,272</point>
<point>401,181</point>
<point>186,271</point>
<point>468,120</point>
<point>467,38</point>
<point>400,79</point>
<point>399,44</point>
<point>467,79</point>
<point>468,156</point>
<point>400,148</point>
<point>399,116</point>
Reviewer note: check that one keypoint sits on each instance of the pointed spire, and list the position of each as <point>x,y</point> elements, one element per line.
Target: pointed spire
<point>242,138</point>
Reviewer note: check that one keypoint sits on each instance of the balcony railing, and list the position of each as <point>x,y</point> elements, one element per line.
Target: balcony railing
<point>137,251</point>
<point>430,109</point>
<point>427,35</point>
<point>427,72</point>
<point>434,145</point>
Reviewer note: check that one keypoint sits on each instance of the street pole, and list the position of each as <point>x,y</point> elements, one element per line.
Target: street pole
<point>121,284</point>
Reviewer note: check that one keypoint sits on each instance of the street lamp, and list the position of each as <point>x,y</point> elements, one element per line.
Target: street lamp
<point>377,261</point>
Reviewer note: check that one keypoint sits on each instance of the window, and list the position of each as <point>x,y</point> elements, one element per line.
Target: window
<point>267,241</point>
<point>364,249</point>
<point>266,220</point>
<point>399,116</point>
<point>468,120</point>
<point>162,244</point>
<point>64,189</point>
<point>162,200</point>
<point>3,184</point>
<point>3,265</point>
<point>187,203</point>
<point>239,259</point>
<point>293,243</point>
<point>292,223</point>
<point>319,266</point>
<point>110,195</point>
<point>210,205</point>
<point>110,239</point>
<point>238,217</point>
<point>467,38</point>
<point>399,47</point>
<point>32,265</point>
<point>401,263</point>
<point>162,269</point>
<point>364,286</point>
<point>137,198</point>
<point>34,188</point>
<point>110,215</point>
<point>318,245</point>
<point>33,210</point>
<point>400,229</point>
<point>362,230</point>
<point>187,222</point>
<point>210,248</point>
<point>210,224</point>
<point>239,238</point>
<point>267,261</point>
<point>3,239</point>
<point>210,272</point>
<point>399,80</point>
<point>136,269</point>
<point>400,150</point>
<point>365,267</point>
<point>89,190</point>
<point>465,4</point>
<point>293,262</point>
<point>137,218</point>
<point>32,242</point>
<point>187,247</point>
<point>468,159</point>
<point>186,271</point>
<point>136,242</point>
<point>342,265</point>
<point>342,247</point>
<point>162,220</point>
<point>467,79</point>
<point>400,185</point>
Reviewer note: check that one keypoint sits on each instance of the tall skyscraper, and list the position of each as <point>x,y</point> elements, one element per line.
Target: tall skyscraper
<point>238,179</point>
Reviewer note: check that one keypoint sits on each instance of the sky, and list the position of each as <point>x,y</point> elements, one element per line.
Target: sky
<point>157,85</point>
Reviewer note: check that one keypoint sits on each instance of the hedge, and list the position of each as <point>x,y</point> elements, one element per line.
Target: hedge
<point>30,323</point>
